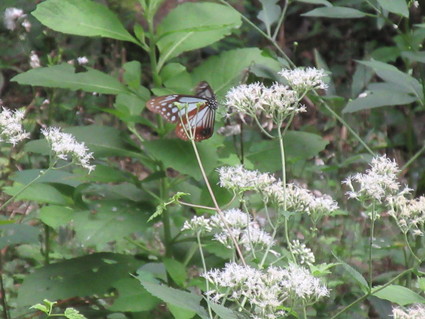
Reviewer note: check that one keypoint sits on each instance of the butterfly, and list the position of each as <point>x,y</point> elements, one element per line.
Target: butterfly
<point>196,113</point>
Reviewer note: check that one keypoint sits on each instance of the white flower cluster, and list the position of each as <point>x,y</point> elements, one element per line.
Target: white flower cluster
<point>416,311</point>
<point>302,253</point>
<point>246,232</point>
<point>12,16</point>
<point>408,213</point>
<point>300,199</point>
<point>379,182</point>
<point>238,179</point>
<point>265,291</point>
<point>65,147</point>
<point>305,79</point>
<point>34,60</point>
<point>11,130</point>
<point>277,101</point>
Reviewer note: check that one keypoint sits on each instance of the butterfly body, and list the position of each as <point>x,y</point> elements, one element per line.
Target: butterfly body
<point>196,113</point>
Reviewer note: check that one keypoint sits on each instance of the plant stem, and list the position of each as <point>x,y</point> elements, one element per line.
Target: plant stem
<point>204,265</point>
<point>418,260</point>
<point>46,244</point>
<point>3,290</point>
<point>217,208</point>
<point>372,230</point>
<point>413,158</point>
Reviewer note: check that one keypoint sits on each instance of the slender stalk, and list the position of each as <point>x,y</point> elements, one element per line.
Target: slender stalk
<point>418,260</point>
<point>360,299</point>
<point>41,174</point>
<point>217,207</point>
<point>3,290</point>
<point>46,245</point>
<point>204,265</point>
<point>413,158</point>
<point>195,206</point>
<point>281,18</point>
<point>372,230</point>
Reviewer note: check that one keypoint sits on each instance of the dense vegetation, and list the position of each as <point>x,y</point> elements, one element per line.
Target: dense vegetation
<point>306,202</point>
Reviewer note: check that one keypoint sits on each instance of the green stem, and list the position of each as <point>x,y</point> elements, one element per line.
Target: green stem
<point>281,18</point>
<point>41,174</point>
<point>5,307</point>
<point>372,292</point>
<point>204,265</point>
<point>217,207</point>
<point>410,249</point>
<point>413,158</point>
<point>46,244</point>
<point>372,231</point>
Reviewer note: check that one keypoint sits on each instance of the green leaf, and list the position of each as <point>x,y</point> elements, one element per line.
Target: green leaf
<point>355,275</point>
<point>270,13</point>
<point>233,66</point>
<point>180,313</point>
<point>414,56</point>
<point>55,216</point>
<point>64,76</point>
<point>51,176</point>
<point>178,298</point>
<point>378,98</point>
<point>81,17</point>
<point>39,192</point>
<point>192,26</point>
<point>395,6</point>
<point>336,13</point>
<point>108,221</point>
<point>132,297</point>
<point>69,278</point>
<point>163,206</point>
<point>180,156</point>
<point>391,74</point>
<point>13,234</point>
<point>72,313</point>
<point>323,2</point>
<point>399,295</point>
<point>129,105</point>
<point>222,312</point>
<point>298,145</point>
<point>176,270</point>
<point>133,74</point>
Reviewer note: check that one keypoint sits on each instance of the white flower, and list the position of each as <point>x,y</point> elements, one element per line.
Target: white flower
<point>416,4</point>
<point>377,183</point>
<point>11,130</point>
<point>416,311</point>
<point>255,237</point>
<point>27,25</point>
<point>65,147</point>
<point>305,79</point>
<point>408,213</point>
<point>230,130</point>
<point>34,60</point>
<point>11,16</point>
<point>245,98</point>
<point>363,95</point>
<point>197,224</point>
<point>280,101</point>
<point>239,179</point>
<point>82,60</point>
<point>303,253</point>
<point>234,218</point>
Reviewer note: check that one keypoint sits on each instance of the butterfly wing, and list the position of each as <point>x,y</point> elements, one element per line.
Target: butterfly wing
<point>198,115</point>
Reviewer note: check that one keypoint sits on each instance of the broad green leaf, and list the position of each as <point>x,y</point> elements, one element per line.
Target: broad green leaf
<point>132,297</point>
<point>180,313</point>
<point>395,6</point>
<point>386,54</point>
<point>133,74</point>
<point>222,312</point>
<point>109,174</point>
<point>270,13</point>
<point>176,270</point>
<point>52,176</point>
<point>378,98</point>
<point>233,66</point>
<point>323,2</point>
<point>298,145</point>
<point>180,156</point>
<point>13,234</point>
<point>391,74</point>
<point>336,13</point>
<point>129,105</point>
<point>414,56</point>
<point>55,216</point>
<point>82,276</point>
<point>64,76</point>
<point>399,295</point>
<point>41,193</point>
<point>355,275</point>
<point>108,221</point>
<point>122,191</point>
<point>81,17</point>
<point>178,298</point>
<point>361,78</point>
<point>192,26</point>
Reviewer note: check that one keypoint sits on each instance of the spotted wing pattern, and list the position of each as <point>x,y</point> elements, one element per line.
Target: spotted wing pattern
<point>198,115</point>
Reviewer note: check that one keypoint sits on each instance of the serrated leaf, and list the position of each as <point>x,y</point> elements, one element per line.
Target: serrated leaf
<point>222,312</point>
<point>176,270</point>
<point>395,6</point>
<point>64,76</point>
<point>269,14</point>
<point>72,313</point>
<point>399,295</point>
<point>335,13</point>
<point>192,26</point>
<point>81,17</point>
